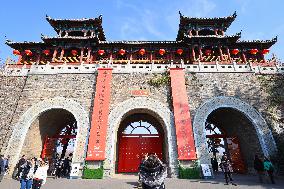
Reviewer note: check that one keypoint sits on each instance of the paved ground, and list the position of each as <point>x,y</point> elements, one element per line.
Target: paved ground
<point>124,182</point>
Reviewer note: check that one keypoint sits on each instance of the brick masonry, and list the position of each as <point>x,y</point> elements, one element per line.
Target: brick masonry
<point>10,92</point>
<point>75,92</point>
<point>43,92</point>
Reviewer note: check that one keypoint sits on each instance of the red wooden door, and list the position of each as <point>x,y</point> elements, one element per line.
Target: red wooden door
<point>235,155</point>
<point>48,148</point>
<point>132,147</point>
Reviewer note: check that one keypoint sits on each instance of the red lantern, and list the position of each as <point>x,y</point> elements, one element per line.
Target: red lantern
<point>265,51</point>
<point>16,52</point>
<point>162,51</point>
<point>101,52</point>
<point>253,51</point>
<point>28,52</point>
<point>142,52</point>
<point>46,52</point>
<point>179,51</point>
<point>74,52</point>
<point>235,51</point>
<point>121,52</point>
<point>208,52</point>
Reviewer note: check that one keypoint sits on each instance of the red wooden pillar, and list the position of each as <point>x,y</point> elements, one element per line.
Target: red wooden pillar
<point>38,58</point>
<point>193,54</point>
<point>216,31</point>
<point>89,54</point>
<point>20,59</point>
<point>244,57</point>
<point>183,125</point>
<point>229,55</point>
<point>81,55</point>
<point>54,55</point>
<point>61,54</point>
<point>221,54</point>
<point>99,120</point>
<point>200,53</point>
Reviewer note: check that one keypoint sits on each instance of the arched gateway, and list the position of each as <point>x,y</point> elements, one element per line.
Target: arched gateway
<point>243,129</point>
<point>138,134</point>
<point>21,129</point>
<point>141,106</point>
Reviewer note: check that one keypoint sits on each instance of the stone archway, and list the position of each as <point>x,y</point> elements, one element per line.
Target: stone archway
<point>21,128</point>
<point>266,140</point>
<point>160,111</point>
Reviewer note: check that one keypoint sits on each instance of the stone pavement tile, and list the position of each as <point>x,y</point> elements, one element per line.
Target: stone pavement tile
<point>218,183</point>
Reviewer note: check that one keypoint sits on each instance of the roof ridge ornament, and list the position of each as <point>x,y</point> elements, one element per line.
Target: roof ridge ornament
<point>274,39</point>
<point>47,17</point>
<point>234,15</point>
<point>180,14</point>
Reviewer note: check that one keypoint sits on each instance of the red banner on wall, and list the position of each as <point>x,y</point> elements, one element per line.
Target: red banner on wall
<point>185,139</point>
<point>97,138</point>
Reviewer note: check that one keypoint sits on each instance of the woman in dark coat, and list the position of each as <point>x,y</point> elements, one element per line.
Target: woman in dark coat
<point>259,168</point>
<point>153,173</point>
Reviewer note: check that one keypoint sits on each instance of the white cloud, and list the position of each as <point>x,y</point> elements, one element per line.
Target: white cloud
<point>151,22</point>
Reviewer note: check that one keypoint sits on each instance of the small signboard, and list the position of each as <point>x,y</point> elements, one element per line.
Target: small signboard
<point>75,167</point>
<point>206,171</point>
<point>139,92</point>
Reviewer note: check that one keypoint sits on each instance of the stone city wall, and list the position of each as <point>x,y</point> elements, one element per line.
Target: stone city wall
<point>20,93</point>
<point>247,87</point>
<point>36,88</point>
<point>10,93</point>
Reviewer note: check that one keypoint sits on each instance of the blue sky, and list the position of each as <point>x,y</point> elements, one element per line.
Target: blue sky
<point>140,20</point>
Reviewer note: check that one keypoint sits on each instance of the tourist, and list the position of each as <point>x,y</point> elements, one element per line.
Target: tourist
<point>21,162</point>
<point>53,164</point>
<point>2,167</point>
<point>144,158</point>
<point>59,168</point>
<point>268,167</point>
<point>40,175</point>
<point>153,173</point>
<point>36,164</point>
<point>214,163</point>
<point>66,166</point>
<point>227,169</point>
<point>6,163</point>
<point>259,168</point>
<point>26,174</point>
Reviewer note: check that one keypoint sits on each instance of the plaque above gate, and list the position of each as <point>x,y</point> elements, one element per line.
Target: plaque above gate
<point>139,92</point>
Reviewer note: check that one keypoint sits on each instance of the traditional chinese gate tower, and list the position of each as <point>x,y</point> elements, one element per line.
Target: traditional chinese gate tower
<point>201,47</point>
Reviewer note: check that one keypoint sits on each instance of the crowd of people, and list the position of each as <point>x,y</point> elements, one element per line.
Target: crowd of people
<point>60,167</point>
<point>31,173</point>
<point>262,166</point>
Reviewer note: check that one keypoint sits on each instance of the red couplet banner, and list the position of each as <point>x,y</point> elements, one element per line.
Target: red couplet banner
<point>97,138</point>
<point>185,139</point>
